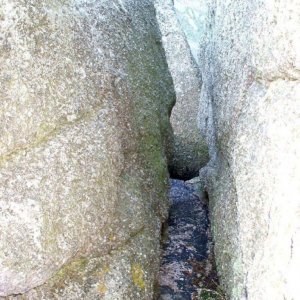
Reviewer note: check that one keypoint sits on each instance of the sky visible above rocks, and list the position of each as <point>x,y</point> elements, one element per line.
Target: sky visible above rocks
<point>191,15</point>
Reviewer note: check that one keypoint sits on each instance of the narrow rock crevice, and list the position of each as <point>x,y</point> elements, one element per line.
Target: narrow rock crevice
<point>188,270</point>
<point>190,151</point>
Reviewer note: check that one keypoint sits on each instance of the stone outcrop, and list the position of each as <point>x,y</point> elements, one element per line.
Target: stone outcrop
<point>85,100</point>
<point>190,150</point>
<point>250,106</point>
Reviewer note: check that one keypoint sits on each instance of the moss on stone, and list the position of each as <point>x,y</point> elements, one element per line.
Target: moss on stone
<point>72,270</point>
<point>206,294</point>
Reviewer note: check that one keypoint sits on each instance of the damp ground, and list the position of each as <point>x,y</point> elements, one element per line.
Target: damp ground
<point>188,269</point>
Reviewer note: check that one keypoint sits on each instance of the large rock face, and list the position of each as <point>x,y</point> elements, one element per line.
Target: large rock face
<point>250,100</point>
<point>85,100</point>
<point>190,149</point>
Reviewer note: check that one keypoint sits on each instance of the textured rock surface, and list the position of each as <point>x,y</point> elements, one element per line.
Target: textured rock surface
<point>251,105</point>
<point>84,105</point>
<point>190,151</point>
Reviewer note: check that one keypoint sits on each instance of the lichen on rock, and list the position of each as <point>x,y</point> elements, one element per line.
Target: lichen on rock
<point>84,113</point>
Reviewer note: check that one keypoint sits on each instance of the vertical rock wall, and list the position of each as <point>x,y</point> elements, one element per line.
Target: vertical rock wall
<point>190,150</point>
<point>85,101</point>
<point>250,62</point>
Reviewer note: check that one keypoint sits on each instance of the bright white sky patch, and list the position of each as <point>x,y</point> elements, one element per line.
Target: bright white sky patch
<point>192,14</point>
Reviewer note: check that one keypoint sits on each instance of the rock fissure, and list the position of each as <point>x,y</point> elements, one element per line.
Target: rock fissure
<point>90,130</point>
<point>188,270</point>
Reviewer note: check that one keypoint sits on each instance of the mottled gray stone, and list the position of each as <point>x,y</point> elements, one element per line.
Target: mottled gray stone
<point>85,100</point>
<point>190,150</point>
<point>250,107</point>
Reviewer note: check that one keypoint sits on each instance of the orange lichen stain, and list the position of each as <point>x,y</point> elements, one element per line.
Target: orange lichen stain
<point>102,288</point>
<point>137,274</point>
<point>101,285</point>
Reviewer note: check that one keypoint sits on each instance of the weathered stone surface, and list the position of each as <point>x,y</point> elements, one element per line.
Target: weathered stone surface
<point>85,100</point>
<point>190,150</point>
<point>250,100</point>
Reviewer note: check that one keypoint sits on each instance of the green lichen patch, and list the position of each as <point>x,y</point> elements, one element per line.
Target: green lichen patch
<point>137,275</point>
<point>206,294</point>
<point>208,282</point>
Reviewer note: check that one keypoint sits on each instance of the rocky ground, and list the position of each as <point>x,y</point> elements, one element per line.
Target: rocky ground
<point>188,271</point>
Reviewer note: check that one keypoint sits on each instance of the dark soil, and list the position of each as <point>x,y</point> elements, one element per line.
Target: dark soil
<point>187,260</point>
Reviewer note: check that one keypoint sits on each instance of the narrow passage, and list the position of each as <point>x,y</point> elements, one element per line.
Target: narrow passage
<point>188,270</point>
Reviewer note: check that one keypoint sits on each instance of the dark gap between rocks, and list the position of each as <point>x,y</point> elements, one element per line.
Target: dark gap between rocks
<point>184,175</point>
<point>188,270</point>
